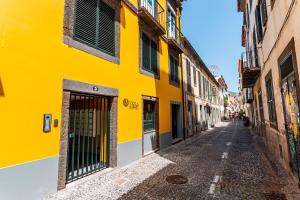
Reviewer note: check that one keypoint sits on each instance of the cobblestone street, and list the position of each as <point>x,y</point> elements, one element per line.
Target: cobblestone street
<point>223,163</point>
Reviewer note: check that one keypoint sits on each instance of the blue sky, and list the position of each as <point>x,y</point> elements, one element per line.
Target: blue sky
<point>214,29</point>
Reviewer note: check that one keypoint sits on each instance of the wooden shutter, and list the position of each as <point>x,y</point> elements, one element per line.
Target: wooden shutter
<point>94,24</point>
<point>264,11</point>
<point>171,68</point>
<point>176,71</point>
<point>258,23</point>
<point>146,52</point>
<point>85,21</point>
<point>153,57</point>
<point>106,28</point>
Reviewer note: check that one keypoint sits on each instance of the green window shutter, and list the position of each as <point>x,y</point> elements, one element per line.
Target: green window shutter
<point>171,68</point>
<point>176,71</point>
<point>146,52</point>
<point>154,57</point>
<point>258,23</point>
<point>85,21</point>
<point>106,28</point>
<point>264,11</point>
<point>94,24</point>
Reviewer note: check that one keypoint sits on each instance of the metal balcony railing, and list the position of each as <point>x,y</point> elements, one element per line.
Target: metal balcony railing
<point>154,9</point>
<point>249,60</point>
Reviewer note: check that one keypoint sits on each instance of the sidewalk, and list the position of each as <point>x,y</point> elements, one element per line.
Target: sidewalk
<point>114,183</point>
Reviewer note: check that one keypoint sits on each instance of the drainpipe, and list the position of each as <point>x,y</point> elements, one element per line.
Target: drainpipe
<point>183,99</point>
<point>182,84</point>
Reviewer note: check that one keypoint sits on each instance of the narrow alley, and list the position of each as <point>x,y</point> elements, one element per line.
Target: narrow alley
<point>223,163</point>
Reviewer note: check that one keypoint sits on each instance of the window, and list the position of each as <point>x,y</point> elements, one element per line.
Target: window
<point>256,61</point>
<point>171,16</point>
<point>248,18</point>
<point>264,11</point>
<point>261,16</point>
<point>195,76</point>
<point>188,71</point>
<point>174,70</point>
<point>199,82</point>
<point>259,28</point>
<point>149,55</point>
<point>270,101</point>
<point>94,25</point>
<point>149,116</point>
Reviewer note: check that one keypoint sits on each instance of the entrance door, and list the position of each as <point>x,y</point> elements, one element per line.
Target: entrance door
<point>88,135</point>
<point>171,24</point>
<point>150,137</point>
<point>175,121</point>
<point>261,114</point>
<point>149,4</point>
<point>291,118</point>
<point>190,117</point>
<point>290,100</point>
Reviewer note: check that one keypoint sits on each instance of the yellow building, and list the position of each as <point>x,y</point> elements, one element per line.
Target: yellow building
<point>85,85</point>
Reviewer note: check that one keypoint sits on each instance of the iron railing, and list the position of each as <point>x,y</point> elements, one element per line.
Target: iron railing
<point>88,135</point>
<point>174,33</point>
<point>249,60</point>
<point>155,10</point>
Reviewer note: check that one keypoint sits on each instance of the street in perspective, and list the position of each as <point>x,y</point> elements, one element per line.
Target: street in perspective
<point>149,100</point>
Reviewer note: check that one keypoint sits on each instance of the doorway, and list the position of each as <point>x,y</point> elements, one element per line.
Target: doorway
<point>190,118</point>
<point>291,109</point>
<point>88,135</point>
<point>150,125</point>
<point>175,109</point>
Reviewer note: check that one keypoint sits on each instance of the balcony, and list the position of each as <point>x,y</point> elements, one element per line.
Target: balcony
<point>174,37</point>
<point>241,4</point>
<point>153,14</point>
<point>249,72</point>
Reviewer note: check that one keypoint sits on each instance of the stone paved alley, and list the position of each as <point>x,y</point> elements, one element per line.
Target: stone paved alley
<point>223,163</point>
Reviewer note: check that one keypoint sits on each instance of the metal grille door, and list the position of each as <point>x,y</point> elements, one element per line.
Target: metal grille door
<point>88,135</point>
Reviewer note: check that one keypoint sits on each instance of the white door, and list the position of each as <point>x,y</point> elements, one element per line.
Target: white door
<point>150,7</point>
<point>171,24</point>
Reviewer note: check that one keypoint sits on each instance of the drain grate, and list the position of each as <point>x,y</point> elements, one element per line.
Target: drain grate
<point>275,196</point>
<point>176,179</point>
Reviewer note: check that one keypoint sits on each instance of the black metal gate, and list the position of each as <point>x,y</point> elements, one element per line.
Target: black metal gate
<point>88,135</point>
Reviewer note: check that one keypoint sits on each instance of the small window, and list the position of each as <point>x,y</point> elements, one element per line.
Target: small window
<point>264,11</point>
<point>199,85</point>
<point>259,25</point>
<point>188,71</point>
<point>149,55</point>
<point>94,25</point>
<point>149,116</point>
<point>271,101</point>
<point>174,76</point>
<point>195,76</point>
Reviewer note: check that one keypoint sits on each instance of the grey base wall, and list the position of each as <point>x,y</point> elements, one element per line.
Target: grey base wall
<point>165,140</point>
<point>150,142</point>
<point>129,152</point>
<point>29,181</point>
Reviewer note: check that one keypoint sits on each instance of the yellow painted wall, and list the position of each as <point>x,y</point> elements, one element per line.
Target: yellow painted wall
<point>33,63</point>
